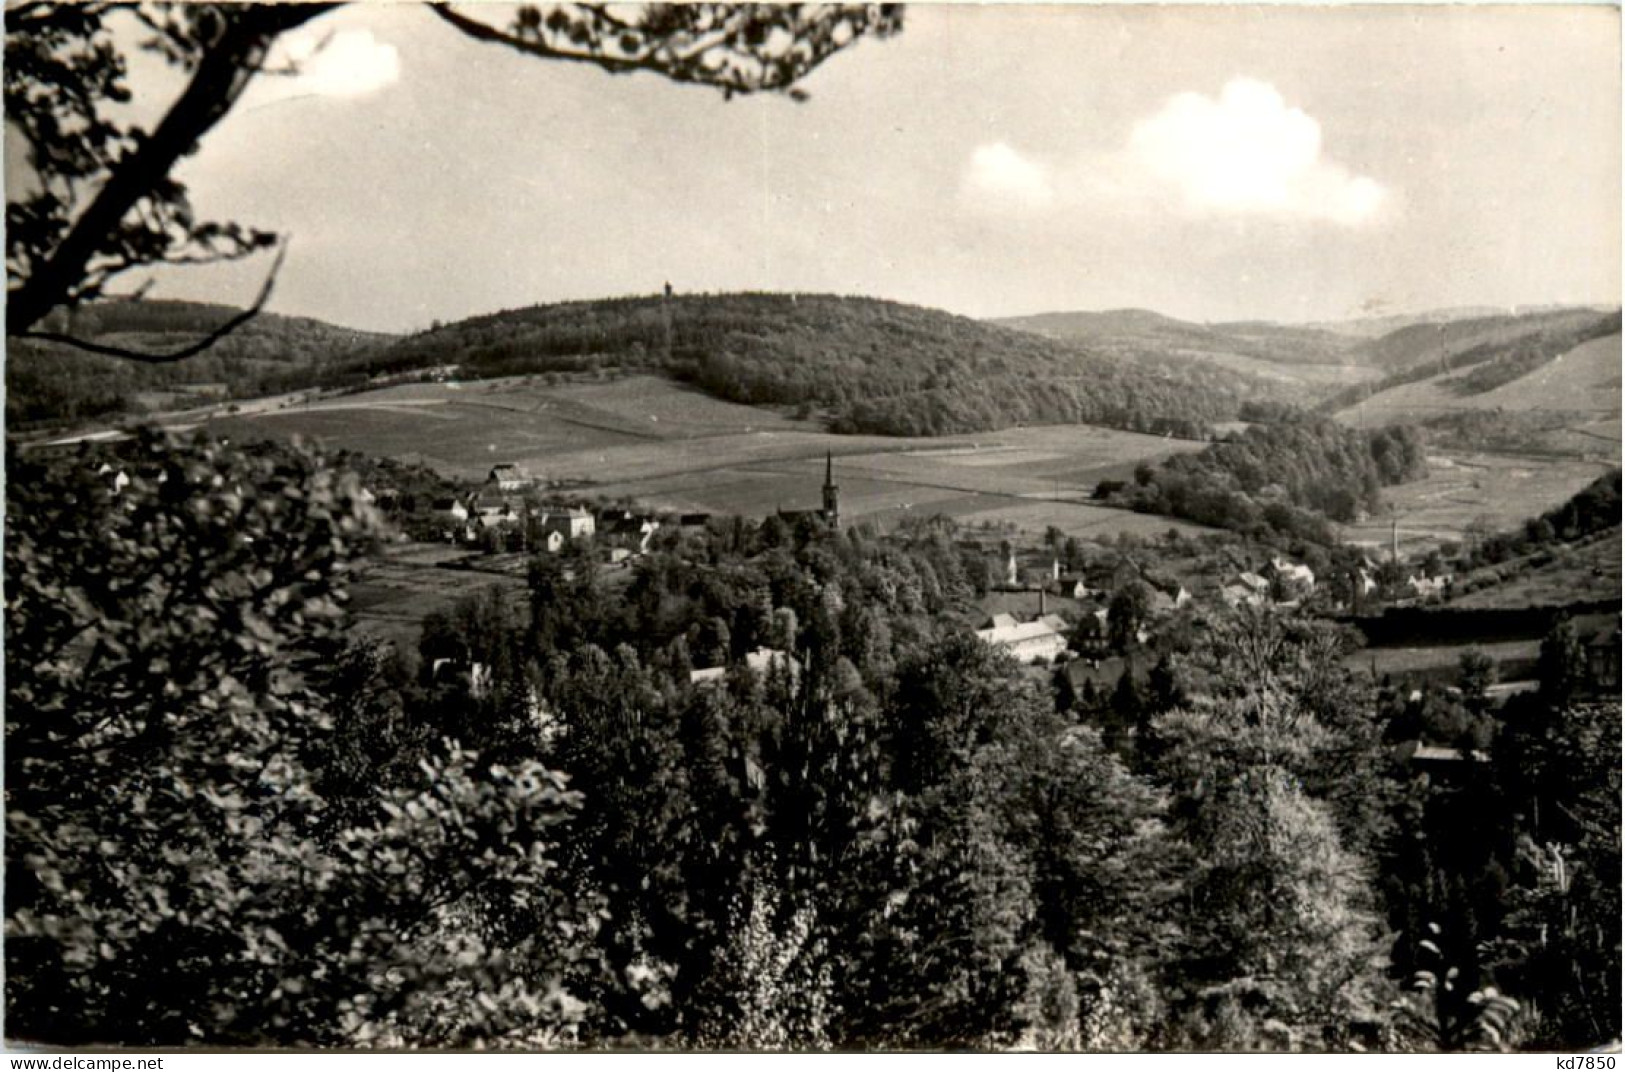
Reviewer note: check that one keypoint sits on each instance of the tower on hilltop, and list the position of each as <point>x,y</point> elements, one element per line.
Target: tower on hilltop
<point>832,494</point>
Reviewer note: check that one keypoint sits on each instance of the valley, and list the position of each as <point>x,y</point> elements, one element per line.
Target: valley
<point>671,447</point>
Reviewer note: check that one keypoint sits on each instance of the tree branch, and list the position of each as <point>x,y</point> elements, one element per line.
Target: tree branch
<point>657,49</point>
<point>179,355</point>
<point>214,87</point>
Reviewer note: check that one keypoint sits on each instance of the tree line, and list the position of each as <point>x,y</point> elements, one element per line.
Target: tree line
<point>1290,477</point>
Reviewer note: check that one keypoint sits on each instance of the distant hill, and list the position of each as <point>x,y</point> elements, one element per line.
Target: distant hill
<point>865,365</point>
<point>1550,392</point>
<point>48,383</point>
<point>1461,342</point>
<point>1372,327</point>
<point>1367,349</point>
<point>1139,330</point>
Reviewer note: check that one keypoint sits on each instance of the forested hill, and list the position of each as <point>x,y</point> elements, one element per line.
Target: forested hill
<point>866,365</point>
<point>48,382</point>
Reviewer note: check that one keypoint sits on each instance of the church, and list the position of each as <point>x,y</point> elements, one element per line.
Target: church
<point>830,513</point>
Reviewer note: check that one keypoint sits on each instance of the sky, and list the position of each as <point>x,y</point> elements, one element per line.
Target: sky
<point>1213,163</point>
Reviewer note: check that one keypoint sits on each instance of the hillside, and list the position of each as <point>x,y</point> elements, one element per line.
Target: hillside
<point>49,384</point>
<point>1553,391</point>
<point>1456,343</point>
<point>865,366</point>
<point>1124,328</point>
<point>1585,378</point>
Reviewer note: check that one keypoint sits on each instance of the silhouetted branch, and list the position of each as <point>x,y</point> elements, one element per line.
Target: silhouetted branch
<point>179,355</point>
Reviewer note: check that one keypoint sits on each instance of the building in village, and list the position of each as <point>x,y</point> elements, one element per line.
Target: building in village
<point>573,523</point>
<point>509,477</point>
<point>1040,640</point>
<point>829,513</point>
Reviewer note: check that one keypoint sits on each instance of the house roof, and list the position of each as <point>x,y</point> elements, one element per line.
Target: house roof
<point>492,500</point>
<point>1023,631</point>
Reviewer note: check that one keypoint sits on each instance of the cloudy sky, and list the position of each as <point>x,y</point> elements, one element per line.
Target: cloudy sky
<point>1210,163</point>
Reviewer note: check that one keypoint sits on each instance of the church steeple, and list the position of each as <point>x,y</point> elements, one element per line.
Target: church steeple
<point>832,498</point>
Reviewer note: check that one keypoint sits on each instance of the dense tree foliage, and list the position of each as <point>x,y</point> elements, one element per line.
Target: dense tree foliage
<point>230,823</point>
<point>1286,477</point>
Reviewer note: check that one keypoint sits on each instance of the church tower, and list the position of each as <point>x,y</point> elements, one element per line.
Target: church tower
<point>832,497</point>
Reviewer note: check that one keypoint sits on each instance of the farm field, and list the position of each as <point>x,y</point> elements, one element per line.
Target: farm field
<point>1461,490</point>
<point>668,446</point>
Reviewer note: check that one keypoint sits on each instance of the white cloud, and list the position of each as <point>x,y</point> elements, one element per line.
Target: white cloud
<point>1247,152</point>
<point>348,63</point>
<point>1244,153</point>
<point>1001,179</point>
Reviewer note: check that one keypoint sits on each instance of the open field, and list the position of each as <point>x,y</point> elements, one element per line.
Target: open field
<point>669,446</point>
<point>1497,490</point>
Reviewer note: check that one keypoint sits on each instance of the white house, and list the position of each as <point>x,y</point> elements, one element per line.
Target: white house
<point>570,522</point>
<point>1040,640</point>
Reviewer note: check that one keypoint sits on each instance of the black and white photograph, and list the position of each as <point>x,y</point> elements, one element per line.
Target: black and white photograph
<point>812,528</point>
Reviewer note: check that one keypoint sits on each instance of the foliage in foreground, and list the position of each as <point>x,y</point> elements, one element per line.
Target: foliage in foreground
<point>230,827</point>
